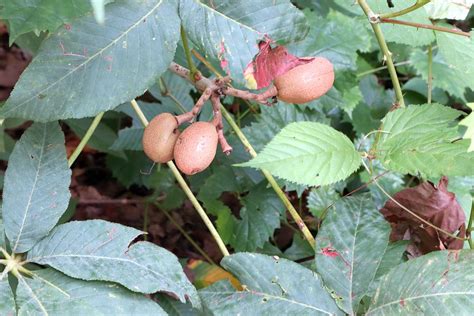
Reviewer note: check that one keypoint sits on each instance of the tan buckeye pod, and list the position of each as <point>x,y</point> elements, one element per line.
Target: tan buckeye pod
<point>306,82</point>
<point>160,137</point>
<point>196,148</point>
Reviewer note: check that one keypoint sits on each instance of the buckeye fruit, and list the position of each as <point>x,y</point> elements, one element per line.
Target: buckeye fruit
<point>305,82</point>
<point>160,137</point>
<point>196,148</point>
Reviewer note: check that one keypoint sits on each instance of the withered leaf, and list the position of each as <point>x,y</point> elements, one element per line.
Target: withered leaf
<point>434,204</point>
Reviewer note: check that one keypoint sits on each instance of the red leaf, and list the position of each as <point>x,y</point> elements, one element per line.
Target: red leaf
<point>270,63</point>
<point>434,204</point>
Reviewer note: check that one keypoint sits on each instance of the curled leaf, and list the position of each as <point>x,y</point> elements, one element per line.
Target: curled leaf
<point>434,204</point>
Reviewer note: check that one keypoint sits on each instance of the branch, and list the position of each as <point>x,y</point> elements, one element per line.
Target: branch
<point>85,139</point>
<point>426,26</point>
<point>383,46</point>
<point>418,4</point>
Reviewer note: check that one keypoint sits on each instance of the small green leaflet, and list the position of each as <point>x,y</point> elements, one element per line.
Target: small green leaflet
<point>308,153</point>
<point>469,122</point>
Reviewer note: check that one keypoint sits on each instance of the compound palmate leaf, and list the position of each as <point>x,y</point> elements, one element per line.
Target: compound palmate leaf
<point>36,191</point>
<point>308,153</point>
<point>230,30</point>
<point>85,68</point>
<point>439,283</point>
<point>274,286</point>
<point>52,293</point>
<point>99,250</point>
<point>350,246</point>
<point>424,139</point>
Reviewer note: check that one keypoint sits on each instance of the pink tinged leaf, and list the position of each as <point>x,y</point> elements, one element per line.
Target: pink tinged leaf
<point>223,61</point>
<point>270,63</point>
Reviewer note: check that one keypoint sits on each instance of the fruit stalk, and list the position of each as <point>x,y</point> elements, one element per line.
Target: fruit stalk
<point>184,186</point>
<point>202,85</point>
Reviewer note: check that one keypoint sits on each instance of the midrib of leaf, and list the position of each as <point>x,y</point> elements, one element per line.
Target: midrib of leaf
<point>418,297</point>
<point>33,295</point>
<point>274,297</point>
<point>353,254</point>
<point>88,59</point>
<point>226,17</point>
<point>106,258</point>
<point>32,190</point>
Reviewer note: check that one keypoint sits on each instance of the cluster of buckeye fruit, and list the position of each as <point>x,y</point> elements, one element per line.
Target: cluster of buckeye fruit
<point>193,150</point>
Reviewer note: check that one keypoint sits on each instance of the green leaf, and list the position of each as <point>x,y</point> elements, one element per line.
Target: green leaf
<point>36,191</point>
<point>89,68</point>
<point>229,31</point>
<point>24,16</point>
<point>458,52</point>
<point>174,307</point>
<point>129,138</point>
<point>259,217</point>
<point>445,76</point>
<point>273,286</point>
<point>420,138</point>
<point>99,250</point>
<point>435,284</point>
<point>349,248</point>
<point>392,257</point>
<point>328,37</point>
<point>468,121</point>
<point>320,199</point>
<point>308,153</point>
<point>448,9</point>
<point>53,293</point>
<point>7,303</point>
<point>135,168</point>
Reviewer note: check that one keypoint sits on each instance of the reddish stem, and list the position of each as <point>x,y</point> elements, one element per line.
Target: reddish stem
<point>189,116</point>
<point>426,26</point>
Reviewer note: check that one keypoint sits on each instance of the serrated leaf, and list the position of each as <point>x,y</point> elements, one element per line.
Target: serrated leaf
<point>129,138</point>
<point>99,250</point>
<point>328,37</point>
<point>85,68</point>
<point>36,191</point>
<point>259,217</point>
<point>274,286</point>
<point>468,121</point>
<point>308,153</point>
<point>7,302</point>
<point>448,9</point>
<point>349,248</point>
<point>63,295</point>
<point>458,52</point>
<point>437,283</point>
<point>420,138</point>
<point>229,31</point>
<point>320,199</point>
<point>445,76</point>
<point>24,16</point>
<point>135,168</point>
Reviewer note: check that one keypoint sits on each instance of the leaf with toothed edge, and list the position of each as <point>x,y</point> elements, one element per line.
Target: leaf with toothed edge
<point>36,191</point>
<point>308,153</point>
<point>350,247</point>
<point>52,293</point>
<point>229,31</point>
<point>99,250</point>
<point>435,284</point>
<point>273,287</point>
<point>85,68</point>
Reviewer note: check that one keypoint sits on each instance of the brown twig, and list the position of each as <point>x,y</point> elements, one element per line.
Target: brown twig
<point>217,121</point>
<point>426,26</point>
